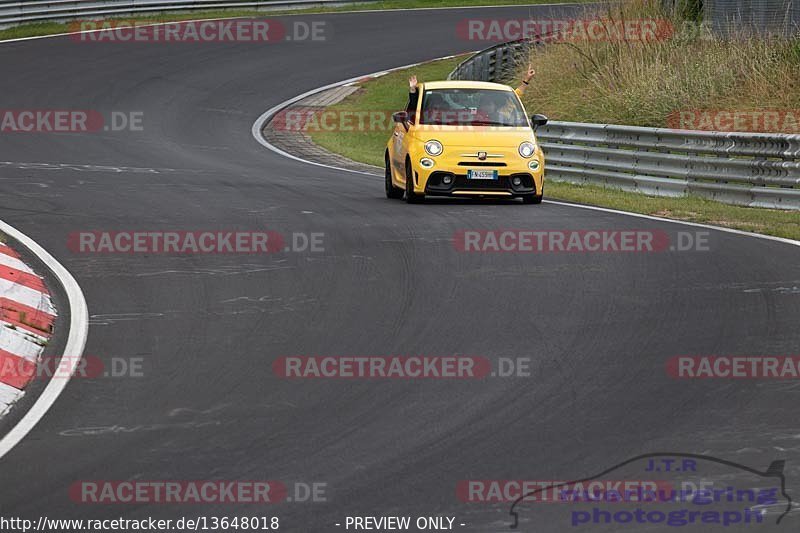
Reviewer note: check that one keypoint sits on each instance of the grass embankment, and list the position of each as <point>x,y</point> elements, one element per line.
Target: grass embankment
<point>692,209</point>
<point>645,83</point>
<point>651,83</point>
<point>53,28</point>
<point>386,95</point>
<point>389,93</point>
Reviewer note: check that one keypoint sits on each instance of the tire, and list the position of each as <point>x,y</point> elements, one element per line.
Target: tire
<point>392,192</point>
<point>411,196</point>
<point>533,198</point>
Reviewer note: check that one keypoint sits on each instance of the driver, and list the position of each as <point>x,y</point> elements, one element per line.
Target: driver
<point>493,107</point>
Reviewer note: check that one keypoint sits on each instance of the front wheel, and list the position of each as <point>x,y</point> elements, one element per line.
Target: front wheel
<point>392,192</point>
<point>533,198</point>
<point>411,196</point>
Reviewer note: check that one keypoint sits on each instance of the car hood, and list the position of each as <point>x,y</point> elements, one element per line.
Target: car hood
<point>474,136</point>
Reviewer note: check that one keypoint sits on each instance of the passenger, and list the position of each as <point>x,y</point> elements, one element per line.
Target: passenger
<point>413,95</point>
<point>490,110</point>
<point>436,109</point>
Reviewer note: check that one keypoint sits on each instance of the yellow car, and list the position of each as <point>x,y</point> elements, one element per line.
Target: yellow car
<point>467,139</point>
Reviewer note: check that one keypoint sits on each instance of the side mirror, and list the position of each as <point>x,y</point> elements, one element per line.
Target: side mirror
<point>538,120</point>
<point>400,117</point>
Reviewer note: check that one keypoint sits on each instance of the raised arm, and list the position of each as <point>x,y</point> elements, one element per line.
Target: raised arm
<point>413,94</point>
<point>526,80</point>
<point>412,84</point>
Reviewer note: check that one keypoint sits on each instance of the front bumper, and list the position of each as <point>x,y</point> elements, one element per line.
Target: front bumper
<point>434,184</point>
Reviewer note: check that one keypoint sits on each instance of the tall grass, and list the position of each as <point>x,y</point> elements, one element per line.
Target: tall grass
<point>642,83</point>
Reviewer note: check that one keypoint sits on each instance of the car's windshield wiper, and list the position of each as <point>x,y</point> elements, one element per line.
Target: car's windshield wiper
<point>488,123</point>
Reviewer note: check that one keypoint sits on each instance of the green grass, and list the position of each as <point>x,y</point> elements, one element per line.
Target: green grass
<point>648,83</point>
<point>386,94</point>
<point>52,28</point>
<point>692,209</point>
<point>389,93</point>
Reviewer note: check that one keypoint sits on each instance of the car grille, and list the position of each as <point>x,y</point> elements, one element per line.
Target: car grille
<point>460,181</point>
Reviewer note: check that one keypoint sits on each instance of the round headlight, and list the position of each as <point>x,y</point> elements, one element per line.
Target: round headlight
<point>426,162</point>
<point>534,165</point>
<point>526,149</point>
<point>433,148</point>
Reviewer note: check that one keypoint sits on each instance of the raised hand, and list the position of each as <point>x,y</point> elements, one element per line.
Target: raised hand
<point>530,73</point>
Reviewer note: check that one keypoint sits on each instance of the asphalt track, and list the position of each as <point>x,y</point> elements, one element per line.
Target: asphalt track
<point>597,327</point>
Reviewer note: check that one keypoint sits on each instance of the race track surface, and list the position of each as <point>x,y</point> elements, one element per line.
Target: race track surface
<point>597,327</point>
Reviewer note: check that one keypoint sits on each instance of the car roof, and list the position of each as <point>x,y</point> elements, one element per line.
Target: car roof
<point>465,85</point>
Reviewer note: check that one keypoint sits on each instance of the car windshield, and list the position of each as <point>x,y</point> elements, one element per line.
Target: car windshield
<point>472,107</point>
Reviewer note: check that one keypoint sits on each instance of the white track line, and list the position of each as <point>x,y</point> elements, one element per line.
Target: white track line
<point>673,221</point>
<point>355,11</point>
<point>258,126</point>
<point>73,350</point>
<point>35,37</point>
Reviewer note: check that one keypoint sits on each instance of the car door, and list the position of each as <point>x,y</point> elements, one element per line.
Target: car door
<point>398,151</point>
<point>402,136</point>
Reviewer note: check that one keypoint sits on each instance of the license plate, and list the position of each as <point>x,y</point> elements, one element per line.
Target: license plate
<point>481,174</point>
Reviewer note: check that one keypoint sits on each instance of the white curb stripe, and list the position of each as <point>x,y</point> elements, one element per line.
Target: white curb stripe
<point>16,342</point>
<point>13,262</point>
<point>8,396</point>
<point>73,349</point>
<point>26,295</point>
<point>40,337</point>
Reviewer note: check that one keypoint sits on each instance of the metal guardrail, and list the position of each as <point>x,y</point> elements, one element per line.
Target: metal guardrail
<point>12,13</point>
<point>761,17</point>
<point>732,18</point>
<point>498,63</point>
<point>752,169</point>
